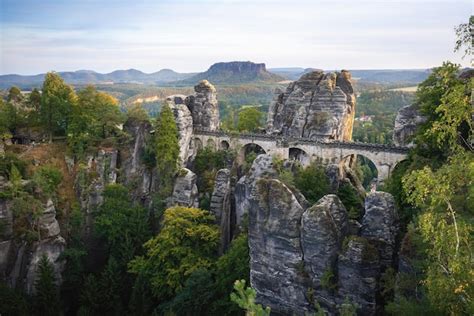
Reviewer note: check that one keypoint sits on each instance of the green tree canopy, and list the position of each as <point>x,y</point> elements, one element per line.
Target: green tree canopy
<point>46,298</point>
<point>57,101</point>
<point>166,150</point>
<point>187,242</point>
<point>250,119</point>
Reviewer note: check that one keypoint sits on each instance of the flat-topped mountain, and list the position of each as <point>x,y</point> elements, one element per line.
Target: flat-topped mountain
<point>235,72</point>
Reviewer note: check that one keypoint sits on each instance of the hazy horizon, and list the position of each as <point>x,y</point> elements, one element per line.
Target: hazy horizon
<point>189,36</point>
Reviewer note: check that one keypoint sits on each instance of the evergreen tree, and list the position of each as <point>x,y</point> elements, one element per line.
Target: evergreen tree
<point>46,297</point>
<point>167,150</point>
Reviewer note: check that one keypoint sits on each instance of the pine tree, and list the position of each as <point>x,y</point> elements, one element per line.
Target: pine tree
<point>46,293</point>
<point>167,150</point>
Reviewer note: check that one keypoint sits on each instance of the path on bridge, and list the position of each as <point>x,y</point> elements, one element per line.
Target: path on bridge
<point>384,157</point>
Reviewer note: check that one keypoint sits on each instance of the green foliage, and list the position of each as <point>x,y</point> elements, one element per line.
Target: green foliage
<point>137,113</point>
<point>195,296</point>
<point>382,106</point>
<point>10,160</point>
<point>351,200</point>
<point>187,242</point>
<point>312,182</point>
<point>47,178</point>
<point>34,99</point>
<point>328,280</point>
<point>46,298</point>
<point>14,95</point>
<point>464,37</point>
<point>437,182</point>
<point>250,119</point>
<point>57,100</point>
<point>447,199</point>
<point>347,308</point>
<point>123,225</point>
<point>166,150</point>
<point>206,164</point>
<point>245,298</point>
<point>95,116</point>
<point>233,265</point>
<point>443,99</point>
<point>13,302</point>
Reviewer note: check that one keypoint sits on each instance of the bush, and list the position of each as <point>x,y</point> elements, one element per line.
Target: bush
<point>312,182</point>
<point>9,160</point>
<point>47,178</point>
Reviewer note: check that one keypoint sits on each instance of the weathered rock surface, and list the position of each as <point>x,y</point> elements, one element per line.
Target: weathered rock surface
<point>52,248</point>
<point>300,256</point>
<point>358,272</point>
<point>185,191</point>
<point>6,219</point>
<point>221,206</point>
<point>49,226</point>
<point>203,106</point>
<point>406,122</point>
<point>184,122</point>
<point>276,258</point>
<point>318,106</point>
<point>133,168</point>
<point>323,228</point>
<point>380,225</point>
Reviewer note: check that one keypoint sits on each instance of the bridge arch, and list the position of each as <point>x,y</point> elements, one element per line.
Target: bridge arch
<point>248,152</point>
<point>365,168</point>
<point>197,142</point>
<point>224,145</point>
<point>211,144</point>
<point>298,154</point>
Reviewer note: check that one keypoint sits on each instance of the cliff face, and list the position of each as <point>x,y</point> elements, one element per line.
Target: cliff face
<point>318,106</point>
<point>303,256</point>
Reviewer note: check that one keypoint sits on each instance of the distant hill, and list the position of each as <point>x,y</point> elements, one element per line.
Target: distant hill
<point>92,77</point>
<point>236,72</point>
<point>383,76</point>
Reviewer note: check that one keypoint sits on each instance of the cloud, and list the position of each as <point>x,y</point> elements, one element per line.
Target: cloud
<point>190,35</point>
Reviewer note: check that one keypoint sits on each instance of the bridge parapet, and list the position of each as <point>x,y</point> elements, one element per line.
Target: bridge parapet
<point>308,141</point>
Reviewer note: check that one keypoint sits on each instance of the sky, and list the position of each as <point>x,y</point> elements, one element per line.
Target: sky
<point>188,36</point>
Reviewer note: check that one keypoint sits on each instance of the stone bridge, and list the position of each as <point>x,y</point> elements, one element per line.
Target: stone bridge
<point>384,157</point>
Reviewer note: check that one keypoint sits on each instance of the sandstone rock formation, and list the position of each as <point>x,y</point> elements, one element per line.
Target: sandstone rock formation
<point>203,106</point>
<point>19,259</point>
<point>302,256</point>
<point>185,191</point>
<point>49,226</point>
<point>318,106</point>
<point>406,122</point>
<point>221,206</point>
<point>380,225</point>
<point>184,122</point>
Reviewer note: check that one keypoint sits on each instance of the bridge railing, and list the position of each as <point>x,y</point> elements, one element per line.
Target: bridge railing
<point>302,140</point>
